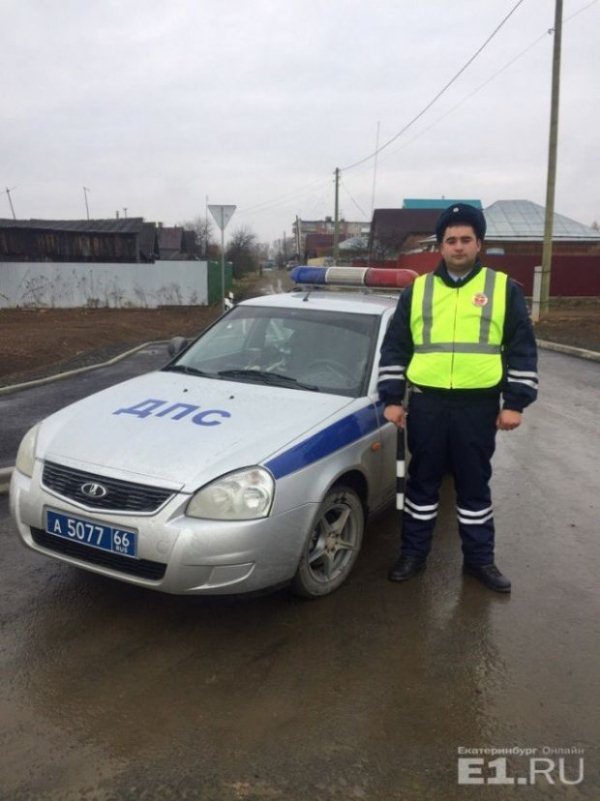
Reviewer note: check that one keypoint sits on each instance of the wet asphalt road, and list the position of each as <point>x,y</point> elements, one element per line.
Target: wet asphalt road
<point>111,692</point>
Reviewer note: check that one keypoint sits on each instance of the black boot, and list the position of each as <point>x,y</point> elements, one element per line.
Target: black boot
<point>488,575</point>
<point>406,567</point>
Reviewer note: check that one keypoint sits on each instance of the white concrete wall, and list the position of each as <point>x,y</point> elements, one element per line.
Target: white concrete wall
<point>68,285</point>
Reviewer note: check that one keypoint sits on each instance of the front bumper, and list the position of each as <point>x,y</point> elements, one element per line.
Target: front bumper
<point>199,556</point>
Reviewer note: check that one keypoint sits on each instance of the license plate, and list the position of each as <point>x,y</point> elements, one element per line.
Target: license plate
<point>96,535</point>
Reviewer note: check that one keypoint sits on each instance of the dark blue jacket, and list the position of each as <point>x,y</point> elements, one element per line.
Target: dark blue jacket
<point>519,354</point>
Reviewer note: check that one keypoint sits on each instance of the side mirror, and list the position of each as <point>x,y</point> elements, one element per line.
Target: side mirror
<point>176,345</point>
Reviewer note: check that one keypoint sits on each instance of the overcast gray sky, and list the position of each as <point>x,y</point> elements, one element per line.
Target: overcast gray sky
<point>155,105</point>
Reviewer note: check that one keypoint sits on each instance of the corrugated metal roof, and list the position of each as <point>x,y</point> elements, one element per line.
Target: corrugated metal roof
<point>523,219</point>
<point>354,243</point>
<point>435,203</point>
<point>125,225</point>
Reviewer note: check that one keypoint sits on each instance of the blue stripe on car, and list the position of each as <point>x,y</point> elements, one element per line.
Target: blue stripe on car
<point>341,433</point>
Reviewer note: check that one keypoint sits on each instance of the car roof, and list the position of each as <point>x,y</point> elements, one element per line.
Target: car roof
<point>356,302</point>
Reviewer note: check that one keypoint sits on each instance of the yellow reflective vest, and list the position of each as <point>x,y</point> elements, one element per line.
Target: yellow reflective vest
<point>457,331</point>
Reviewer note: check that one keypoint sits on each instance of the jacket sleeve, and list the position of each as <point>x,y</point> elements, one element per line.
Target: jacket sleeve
<point>396,353</point>
<point>520,353</point>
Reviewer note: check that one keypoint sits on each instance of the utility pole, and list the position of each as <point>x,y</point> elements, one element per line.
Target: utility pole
<point>375,170</point>
<point>87,208</point>
<point>12,208</point>
<point>300,258</point>
<point>552,148</point>
<point>206,226</point>
<point>336,219</point>
<point>373,195</point>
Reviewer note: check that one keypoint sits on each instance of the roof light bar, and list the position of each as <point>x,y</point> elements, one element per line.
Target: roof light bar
<point>354,276</point>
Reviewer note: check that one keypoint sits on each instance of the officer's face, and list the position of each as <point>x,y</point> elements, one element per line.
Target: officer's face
<point>460,248</point>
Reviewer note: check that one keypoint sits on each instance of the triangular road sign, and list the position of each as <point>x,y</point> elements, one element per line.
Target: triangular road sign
<point>222,215</point>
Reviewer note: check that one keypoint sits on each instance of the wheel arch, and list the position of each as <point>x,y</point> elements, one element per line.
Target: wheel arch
<point>356,481</point>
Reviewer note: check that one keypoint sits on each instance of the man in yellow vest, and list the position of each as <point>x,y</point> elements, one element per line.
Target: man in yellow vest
<point>461,338</point>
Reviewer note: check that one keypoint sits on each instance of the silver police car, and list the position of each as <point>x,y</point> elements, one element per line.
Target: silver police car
<point>251,460</point>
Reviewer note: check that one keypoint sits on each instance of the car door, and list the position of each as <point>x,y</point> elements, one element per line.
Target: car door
<point>388,433</point>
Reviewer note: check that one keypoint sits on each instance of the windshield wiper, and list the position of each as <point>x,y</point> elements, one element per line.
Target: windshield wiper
<point>264,377</point>
<point>184,368</point>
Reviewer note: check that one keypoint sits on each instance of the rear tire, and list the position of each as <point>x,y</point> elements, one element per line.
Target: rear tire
<point>333,545</point>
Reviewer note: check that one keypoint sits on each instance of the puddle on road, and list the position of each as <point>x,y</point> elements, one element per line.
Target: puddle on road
<point>275,288</point>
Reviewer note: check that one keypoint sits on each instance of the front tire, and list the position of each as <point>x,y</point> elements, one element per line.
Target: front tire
<point>333,545</point>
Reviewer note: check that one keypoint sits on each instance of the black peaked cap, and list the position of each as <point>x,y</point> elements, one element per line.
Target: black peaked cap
<point>461,214</point>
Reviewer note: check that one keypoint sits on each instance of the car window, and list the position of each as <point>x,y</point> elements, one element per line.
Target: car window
<point>276,335</point>
<point>331,351</point>
<point>227,339</point>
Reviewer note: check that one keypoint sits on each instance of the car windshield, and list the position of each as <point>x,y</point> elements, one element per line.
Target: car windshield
<point>322,351</point>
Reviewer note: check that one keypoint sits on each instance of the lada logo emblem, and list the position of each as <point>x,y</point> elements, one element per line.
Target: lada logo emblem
<point>93,490</point>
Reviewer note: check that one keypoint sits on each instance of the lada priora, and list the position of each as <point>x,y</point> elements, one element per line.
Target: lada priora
<point>251,460</point>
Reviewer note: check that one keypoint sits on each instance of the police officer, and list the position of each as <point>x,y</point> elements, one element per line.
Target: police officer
<point>462,339</point>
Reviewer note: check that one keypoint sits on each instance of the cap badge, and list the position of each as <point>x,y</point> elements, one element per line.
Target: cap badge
<point>480,299</point>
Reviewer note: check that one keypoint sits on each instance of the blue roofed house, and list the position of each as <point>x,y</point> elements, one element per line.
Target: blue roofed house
<point>436,203</point>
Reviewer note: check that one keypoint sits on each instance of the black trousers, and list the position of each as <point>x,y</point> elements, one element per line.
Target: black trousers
<point>449,433</point>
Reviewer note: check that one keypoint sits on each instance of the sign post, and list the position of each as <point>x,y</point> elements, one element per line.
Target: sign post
<point>222,215</point>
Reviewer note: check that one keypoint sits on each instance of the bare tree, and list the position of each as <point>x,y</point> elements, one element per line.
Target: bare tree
<point>242,251</point>
<point>203,229</point>
<point>386,244</point>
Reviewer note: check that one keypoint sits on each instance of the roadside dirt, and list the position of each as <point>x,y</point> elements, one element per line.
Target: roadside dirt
<point>35,343</point>
<point>576,323</point>
<point>44,341</point>
<point>41,342</point>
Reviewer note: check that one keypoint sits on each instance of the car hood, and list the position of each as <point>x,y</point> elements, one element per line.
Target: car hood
<point>180,431</point>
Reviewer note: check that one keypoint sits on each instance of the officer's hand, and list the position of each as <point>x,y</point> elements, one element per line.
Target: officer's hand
<point>508,420</point>
<point>395,414</point>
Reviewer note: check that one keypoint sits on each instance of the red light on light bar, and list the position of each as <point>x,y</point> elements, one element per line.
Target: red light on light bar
<point>392,278</point>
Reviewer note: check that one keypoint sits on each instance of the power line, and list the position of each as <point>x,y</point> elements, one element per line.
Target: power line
<point>296,194</point>
<point>490,79</point>
<point>266,205</point>
<point>474,92</point>
<point>362,211</point>
<point>441,92</point>
<point>579,11</point>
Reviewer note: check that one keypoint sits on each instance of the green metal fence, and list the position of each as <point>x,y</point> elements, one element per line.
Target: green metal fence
<point>215,291</point>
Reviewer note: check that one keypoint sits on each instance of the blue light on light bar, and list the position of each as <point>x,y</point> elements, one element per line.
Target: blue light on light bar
<point>309,275</point>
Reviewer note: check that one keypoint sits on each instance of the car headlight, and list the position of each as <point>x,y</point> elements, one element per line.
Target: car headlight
<point>26,452</point>
<point>243,495</point>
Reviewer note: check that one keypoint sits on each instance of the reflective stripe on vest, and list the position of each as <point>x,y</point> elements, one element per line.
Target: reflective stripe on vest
<point>457,331</point>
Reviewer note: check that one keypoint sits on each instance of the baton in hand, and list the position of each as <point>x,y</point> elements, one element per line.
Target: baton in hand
<point>400,467</point>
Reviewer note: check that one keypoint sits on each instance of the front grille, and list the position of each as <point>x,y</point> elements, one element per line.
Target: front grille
<point>124,496</point>
<point>144,568</point>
